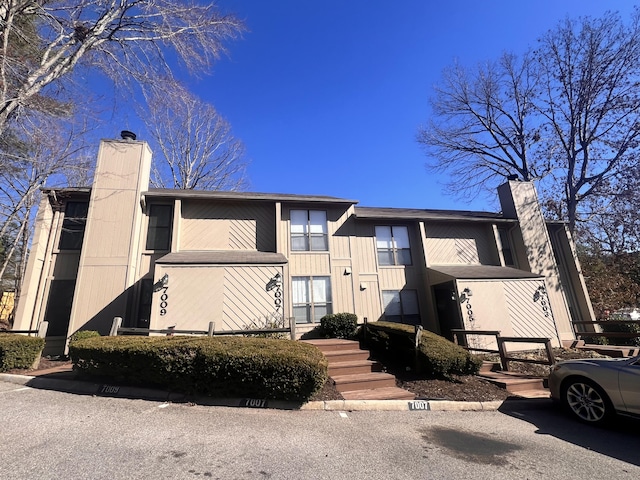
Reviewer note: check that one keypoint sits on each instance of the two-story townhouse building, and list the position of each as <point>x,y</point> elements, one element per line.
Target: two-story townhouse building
<point>183,258</point>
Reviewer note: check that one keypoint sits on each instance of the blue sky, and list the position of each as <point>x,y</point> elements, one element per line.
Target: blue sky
<point>328,95</point>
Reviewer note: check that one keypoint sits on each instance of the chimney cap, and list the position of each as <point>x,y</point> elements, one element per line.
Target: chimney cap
<point>127,135</point>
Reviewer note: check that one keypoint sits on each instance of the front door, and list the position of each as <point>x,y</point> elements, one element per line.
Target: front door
<point>448,308</point>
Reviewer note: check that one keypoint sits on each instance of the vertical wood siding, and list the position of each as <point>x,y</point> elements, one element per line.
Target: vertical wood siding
<point>309,264</point>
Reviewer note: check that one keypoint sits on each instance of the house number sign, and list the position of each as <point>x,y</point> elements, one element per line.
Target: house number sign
<point>164,297</point>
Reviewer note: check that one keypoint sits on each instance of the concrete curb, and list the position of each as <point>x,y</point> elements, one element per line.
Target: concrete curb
<point>116,391</point>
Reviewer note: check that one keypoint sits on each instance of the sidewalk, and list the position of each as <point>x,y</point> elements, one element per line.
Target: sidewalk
<point>64,379</point>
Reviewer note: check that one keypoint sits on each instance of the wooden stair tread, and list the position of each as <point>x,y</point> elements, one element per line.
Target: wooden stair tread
<point>361,377</point>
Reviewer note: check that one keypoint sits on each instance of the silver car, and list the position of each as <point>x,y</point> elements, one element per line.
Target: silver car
<point>593,390</point>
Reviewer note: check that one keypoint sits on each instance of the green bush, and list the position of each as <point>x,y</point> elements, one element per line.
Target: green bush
<point>622,328</point>
<point>82,334</point>
<point>436,356</point>
<point>339,325</point>
<point>19,351</point>
<point>222,367</point>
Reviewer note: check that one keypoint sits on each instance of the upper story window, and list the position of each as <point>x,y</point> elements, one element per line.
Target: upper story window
<point>159,232</point>
<point>392,244</point>
<point>73,225</point>
<point>309,230</point>
<point>505,245</point>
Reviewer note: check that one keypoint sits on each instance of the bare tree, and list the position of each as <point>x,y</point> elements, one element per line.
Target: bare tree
<point>483,128</point>
<point>568,115</point>
<point>196,146</point>
<point>52,152</point>
<point>126,39</point>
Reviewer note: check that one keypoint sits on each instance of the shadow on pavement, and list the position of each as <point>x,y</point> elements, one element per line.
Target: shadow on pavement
<point>620,439</point>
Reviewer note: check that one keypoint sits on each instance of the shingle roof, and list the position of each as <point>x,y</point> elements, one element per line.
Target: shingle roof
<point>420,214</point>
<point>223,257</point>
<point>487,272</point>
<point>223,195</point>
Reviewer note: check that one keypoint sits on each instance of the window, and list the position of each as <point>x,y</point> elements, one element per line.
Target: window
<point>59,305</point>
<point>401,306</point>
<point>311,298</point>
<point>309,230</point>
<point>392,244</point>
<point>159,232</point>
<point>505,245</point>
<point>73,225</point>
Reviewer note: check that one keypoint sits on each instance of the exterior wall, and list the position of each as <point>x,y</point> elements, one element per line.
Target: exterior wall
<point>571,275</point>
<point>232,296</point>
<point>207,226</point>
<point>450,244</point>
<point>27,315</point>
<point>519,200</point>
<point>507,306</point>
<point>110,253</point>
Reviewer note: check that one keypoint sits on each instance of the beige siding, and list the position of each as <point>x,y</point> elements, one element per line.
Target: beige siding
<point>102,303</point>
<point>397,278</point>
<point>207,226</point>
<point>340,228</point>
<point>450,244</point>
<point>365,256</point>
<point>309,263</point>
<point>529,309</point>
<point>246,303</point>
<point>342,291</point>
<point>31,301</point>
<point>520,200</point>
<point>233,297</point>
<point>194,297</point>
<point>511,307</point>
<point>369,298</point>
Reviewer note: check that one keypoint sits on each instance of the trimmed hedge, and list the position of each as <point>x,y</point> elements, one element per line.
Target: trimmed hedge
<point>339,325</point>
<point>19,351</point>
<point>436,356</point>
<point>82,334</point>
<point>222,367</point>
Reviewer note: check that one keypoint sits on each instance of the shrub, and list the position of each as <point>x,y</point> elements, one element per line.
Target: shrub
<point>19,351</point>
<point>82,334</point>
<point>339,325</point>
<point>223,367</point>
<point>436,356</point>
<point>622,328</point>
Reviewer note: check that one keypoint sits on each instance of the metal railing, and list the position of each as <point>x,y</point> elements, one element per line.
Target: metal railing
<point>40,332</point>
<point>505,359</point>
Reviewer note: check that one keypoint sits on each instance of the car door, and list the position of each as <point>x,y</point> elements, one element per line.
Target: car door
<point>629,382</point>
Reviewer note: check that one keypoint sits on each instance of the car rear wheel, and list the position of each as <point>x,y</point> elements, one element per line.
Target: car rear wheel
<point>587,401</point>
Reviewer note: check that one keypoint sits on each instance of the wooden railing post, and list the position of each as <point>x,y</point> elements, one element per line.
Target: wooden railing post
<point>416,350</point>
<point>42,330</point>
<point>117,323</point>
<point>364,330</point>
<point>292,327</point>
<point>502,350</point>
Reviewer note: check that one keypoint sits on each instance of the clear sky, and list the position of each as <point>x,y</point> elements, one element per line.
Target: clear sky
<point>328,95</point>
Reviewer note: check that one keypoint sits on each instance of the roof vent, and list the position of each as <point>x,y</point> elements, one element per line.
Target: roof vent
<point>127,135</point>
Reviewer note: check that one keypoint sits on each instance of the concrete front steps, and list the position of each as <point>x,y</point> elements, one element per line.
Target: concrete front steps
<point>526,386</point>
<point>355,376</point>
